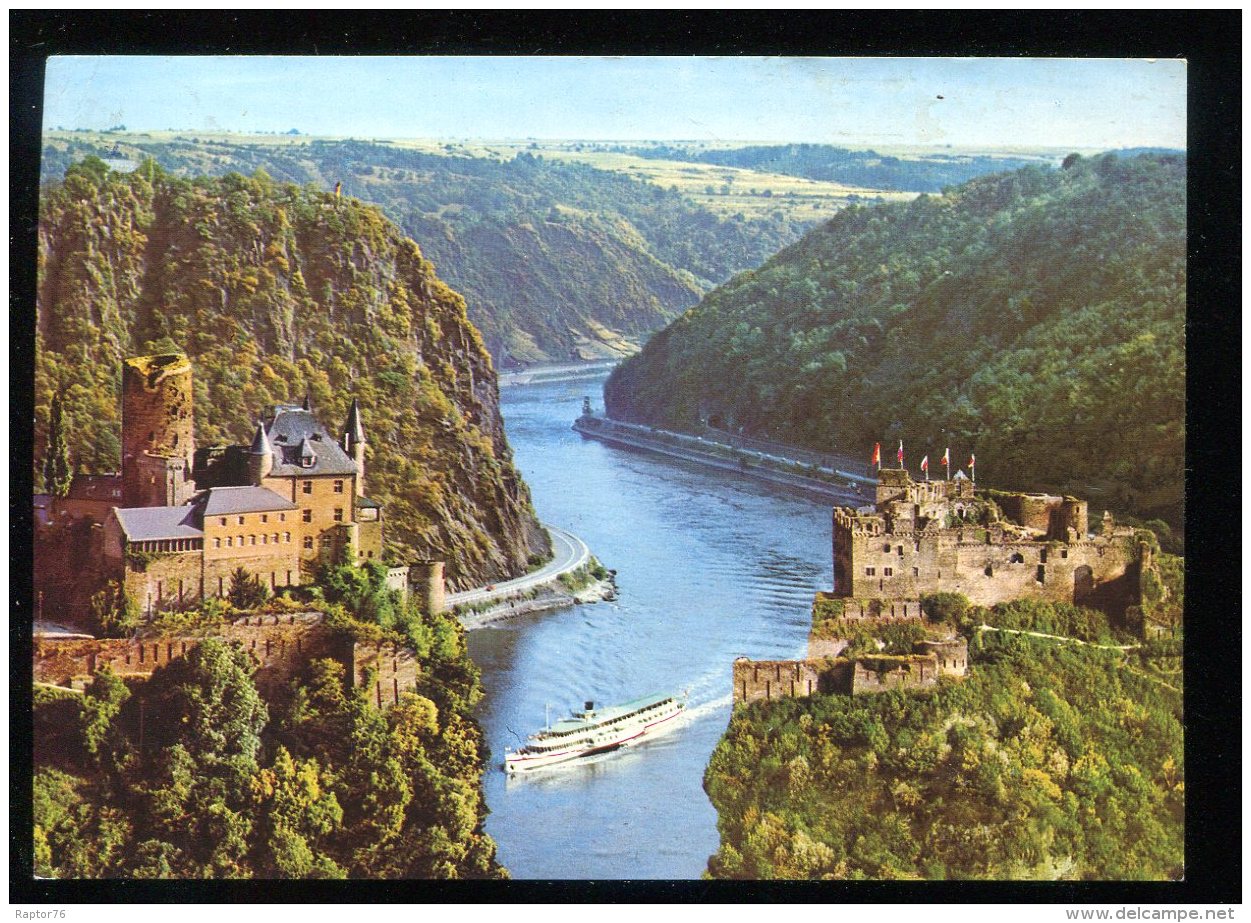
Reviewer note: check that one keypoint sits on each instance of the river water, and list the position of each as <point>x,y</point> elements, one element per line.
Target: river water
<point>710,566</point>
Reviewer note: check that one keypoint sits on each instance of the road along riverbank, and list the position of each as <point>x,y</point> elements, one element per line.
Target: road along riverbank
<point>828,482</point>
<point>573,576</point>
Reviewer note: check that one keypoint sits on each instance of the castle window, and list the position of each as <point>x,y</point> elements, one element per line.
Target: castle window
<point>990,570</point>
<point>241,518</point>
<point>274,538</point>
<point>1017,558</point>
<point>338,487</point>
<point>264,539</point>
<point>870,571</point>
<point>899,550</point>
<point>1064,552</point>
<point>338,514</point>
<point>886,548</point>
<point>308,487</point>
<point>1042,574</point>
<point>223,520</point>
<point>230,541</point>
<point>251,539</point>
<point>217,543</point>
<point>282,517</point>
<point>308,515</point>
<point>286,537</point>
<point>308,542</point>
<point>916,572</point>
<point>264,517</point>
<point>888,572</point>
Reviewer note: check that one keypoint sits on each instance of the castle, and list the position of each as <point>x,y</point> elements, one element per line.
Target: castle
<point>177,522</point>
<point>926,537</point>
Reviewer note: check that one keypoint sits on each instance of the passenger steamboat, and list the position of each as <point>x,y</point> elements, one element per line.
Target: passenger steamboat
<point>595,730</point>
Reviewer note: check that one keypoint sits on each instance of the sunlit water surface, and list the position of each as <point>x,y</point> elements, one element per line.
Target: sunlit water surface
<point>710,566</point>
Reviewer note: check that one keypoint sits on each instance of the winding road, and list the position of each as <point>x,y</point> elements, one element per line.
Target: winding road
<point>570,554</point>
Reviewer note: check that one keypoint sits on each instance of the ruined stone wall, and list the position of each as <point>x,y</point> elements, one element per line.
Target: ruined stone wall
<point>776,679</point>
<point>950,655</point>
<point>883,673</point>
<point>279,644</point>
<point>386,670</point>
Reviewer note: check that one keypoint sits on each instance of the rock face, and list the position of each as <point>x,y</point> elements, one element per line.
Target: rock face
<point>557,261</point>
<point>277,292</point>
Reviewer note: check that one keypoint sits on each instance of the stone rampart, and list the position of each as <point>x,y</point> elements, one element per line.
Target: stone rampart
<point>882,673</point>
<point>279,644</point>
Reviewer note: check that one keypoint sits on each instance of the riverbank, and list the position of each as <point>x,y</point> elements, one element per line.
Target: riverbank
<point>544,599</point>
<point>827,482</point>
<point>547,374</point>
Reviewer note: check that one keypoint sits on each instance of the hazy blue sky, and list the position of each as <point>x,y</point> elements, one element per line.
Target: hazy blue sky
<point>987,101</point>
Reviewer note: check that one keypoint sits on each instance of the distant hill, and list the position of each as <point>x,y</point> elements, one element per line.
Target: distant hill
<point>927,173</point>
<point>1036,318</point>
<point>275,291</point>
<point>555,260</point>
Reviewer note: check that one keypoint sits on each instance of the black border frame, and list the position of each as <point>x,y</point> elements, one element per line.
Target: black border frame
<point>1209,40</point>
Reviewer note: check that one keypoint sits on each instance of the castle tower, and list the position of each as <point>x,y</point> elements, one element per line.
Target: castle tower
<point>354,444</point>
<point>158,442</point>
<point>260,456</point>
<point>426,578</point>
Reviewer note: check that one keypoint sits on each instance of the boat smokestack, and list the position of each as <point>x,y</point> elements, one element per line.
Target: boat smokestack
<point>590,706</point>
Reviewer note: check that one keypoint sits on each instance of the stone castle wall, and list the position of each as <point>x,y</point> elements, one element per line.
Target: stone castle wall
<point>280,644</point>
<point>988,565</point>
<point>776,679</point>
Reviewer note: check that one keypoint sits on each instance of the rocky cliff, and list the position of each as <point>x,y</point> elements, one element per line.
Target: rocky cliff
<point>276,291</point>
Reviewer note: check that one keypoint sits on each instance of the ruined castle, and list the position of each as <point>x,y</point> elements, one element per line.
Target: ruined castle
<point>927,537</point>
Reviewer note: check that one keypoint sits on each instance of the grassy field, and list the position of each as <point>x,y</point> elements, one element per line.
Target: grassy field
<point>724,190</point>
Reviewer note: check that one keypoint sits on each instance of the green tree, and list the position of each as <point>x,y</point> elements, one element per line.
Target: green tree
<point>58,473</point>
<point>113,611</point>
<point>247,591</point>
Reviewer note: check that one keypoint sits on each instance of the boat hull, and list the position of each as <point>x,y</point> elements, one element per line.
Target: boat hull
<point>602,742</point>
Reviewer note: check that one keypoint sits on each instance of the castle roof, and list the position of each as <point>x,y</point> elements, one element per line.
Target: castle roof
<point>260,442</point>
<point>295,433</point>
<point>353,427</point>
<point>222,501</point>
<point>147,523</point>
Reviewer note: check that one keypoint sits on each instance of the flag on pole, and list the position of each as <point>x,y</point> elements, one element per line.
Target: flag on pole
<point>877,455</point>
<point>947,461</point>
<point>900,453</point>
<point>925,466</point>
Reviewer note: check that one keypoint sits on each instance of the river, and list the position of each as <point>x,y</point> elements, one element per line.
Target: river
<point>710,566</point>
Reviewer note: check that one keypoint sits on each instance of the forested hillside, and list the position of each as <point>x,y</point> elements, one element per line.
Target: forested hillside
<point>556,260</point>
<point>276,291</point>
<point>1036,318</point>
<point>928,173</point>
<point>1048,761</point>
<point>198,773</point>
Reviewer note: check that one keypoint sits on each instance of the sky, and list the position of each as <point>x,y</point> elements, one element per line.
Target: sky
<point>963,102</point>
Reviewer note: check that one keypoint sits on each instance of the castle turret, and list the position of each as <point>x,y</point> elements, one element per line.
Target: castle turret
<point>158,444</point>
<point>354,444</point>
<point>260,456</point>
